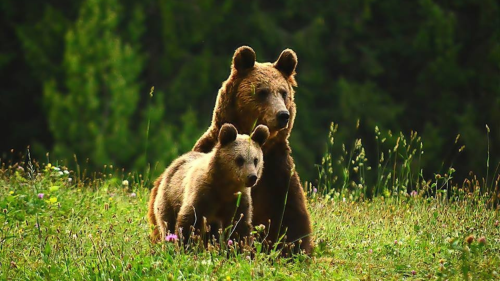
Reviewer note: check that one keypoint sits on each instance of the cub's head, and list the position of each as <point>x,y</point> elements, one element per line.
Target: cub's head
<point>239,157</point>
<point>262,92</point>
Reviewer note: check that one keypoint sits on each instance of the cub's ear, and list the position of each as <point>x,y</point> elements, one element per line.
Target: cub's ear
<point>244,58</point>
<point>287,62</point>
<point>260,134</point>
<point>227,134</point>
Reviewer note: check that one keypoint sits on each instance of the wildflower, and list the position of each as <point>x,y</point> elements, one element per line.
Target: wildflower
<point>228,278</point>
<point>20,168</point>
<point>482,240</point>
<point>66,172</point>
<point>395,242</point>
<point>230,242</point>
<point>70,180</point>
<point>11,192</point>
<point>133,194</point>
<point>260,227</point>
<point>470,239</point>
<point>413,272</point>
<point>370,251</point>
<point>496,223</point>
<point>171,238</point>
<point>37,225</point>
<point>125,183</point>
<point>414,193</point>
<point>56,169</point>
<point>315,190</point>
<point>40,195</point>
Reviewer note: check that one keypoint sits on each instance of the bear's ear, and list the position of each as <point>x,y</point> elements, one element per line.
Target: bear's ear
<point>260,134</point>
<point>244,58</point>
<point>227,134</point>
<point>287,62</point>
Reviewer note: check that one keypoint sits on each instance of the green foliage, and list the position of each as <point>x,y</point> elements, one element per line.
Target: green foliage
<point>396,172</point>
<point>91,117</point>
<point>429,66</point>
<point>95,113</point>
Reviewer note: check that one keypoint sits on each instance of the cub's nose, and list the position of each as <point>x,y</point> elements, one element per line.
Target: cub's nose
<point>251,180</point>
<point>283,117</point>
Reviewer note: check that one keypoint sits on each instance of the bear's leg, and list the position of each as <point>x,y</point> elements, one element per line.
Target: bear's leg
<point>213,234</point>
<point>291,220</point>
<point>240,220</point>
<point>155,233</point>
<point>191,216</point>
<point>296,219</point>
<point>244,216</point>
<point>165,215</point>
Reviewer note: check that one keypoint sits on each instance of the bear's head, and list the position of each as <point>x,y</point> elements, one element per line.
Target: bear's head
<point>239,158</point>
<point>259,93</point>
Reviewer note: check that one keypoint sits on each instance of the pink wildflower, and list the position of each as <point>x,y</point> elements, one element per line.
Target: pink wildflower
<point>171,238</point>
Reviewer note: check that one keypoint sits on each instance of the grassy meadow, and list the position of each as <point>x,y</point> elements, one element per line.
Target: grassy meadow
<point>57,224</point>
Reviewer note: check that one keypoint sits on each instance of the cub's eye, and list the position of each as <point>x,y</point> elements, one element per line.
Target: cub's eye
<point>240,161</point>
<point>284,94</point>
<point>255,161</point>
<point>263,93</point>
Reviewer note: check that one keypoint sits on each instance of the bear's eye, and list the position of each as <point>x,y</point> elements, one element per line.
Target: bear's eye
<point>255,161</point>
<point>240,161</point>
<point>262,93</point>
<point>284,94</point>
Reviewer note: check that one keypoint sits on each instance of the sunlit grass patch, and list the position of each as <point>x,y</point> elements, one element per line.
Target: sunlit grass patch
<point>370,223</point>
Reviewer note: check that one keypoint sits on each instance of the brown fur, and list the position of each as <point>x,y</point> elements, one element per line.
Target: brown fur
<point>253,94</point>
<point>155,233</point>
<point>198,185</point>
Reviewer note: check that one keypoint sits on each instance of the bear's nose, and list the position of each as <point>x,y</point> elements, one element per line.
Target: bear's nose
<point>283,118</point>
<point>251,180</point>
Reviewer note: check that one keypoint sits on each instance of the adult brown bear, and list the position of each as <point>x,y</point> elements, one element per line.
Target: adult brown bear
<point>262,93</point>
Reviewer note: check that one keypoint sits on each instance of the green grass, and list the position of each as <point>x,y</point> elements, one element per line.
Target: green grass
<point>97,230</point>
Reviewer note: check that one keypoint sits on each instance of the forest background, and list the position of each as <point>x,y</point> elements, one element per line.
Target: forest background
<point>76,76</point>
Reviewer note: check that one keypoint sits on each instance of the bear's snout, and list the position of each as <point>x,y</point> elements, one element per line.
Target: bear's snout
<point>251,180</point>
<point>283,117</point>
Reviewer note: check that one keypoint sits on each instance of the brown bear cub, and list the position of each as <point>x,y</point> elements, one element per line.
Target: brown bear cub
<point>199,190</point>
<point>262,93</point>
